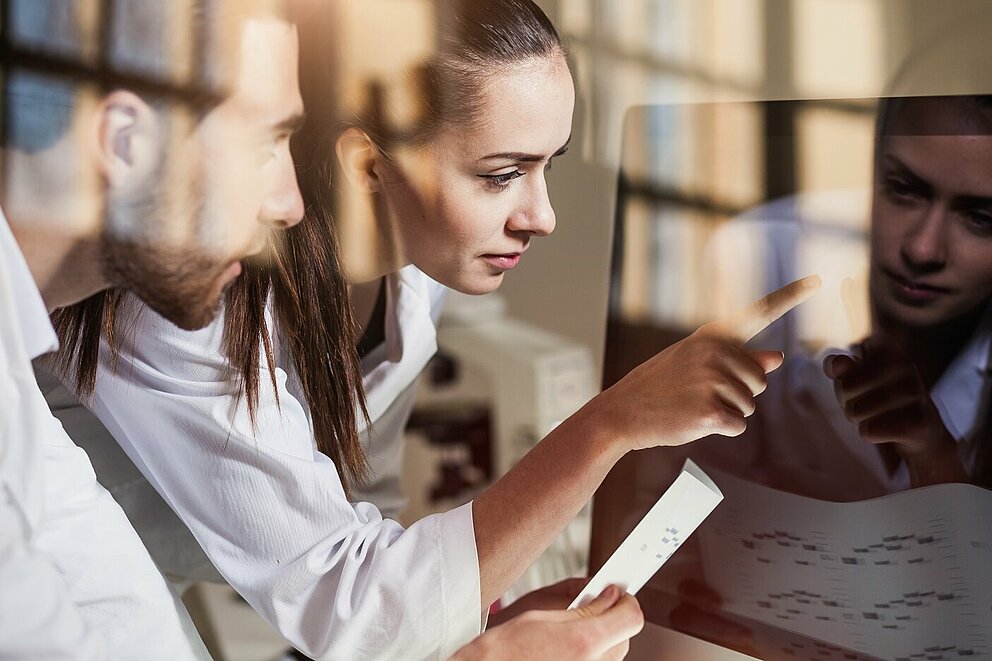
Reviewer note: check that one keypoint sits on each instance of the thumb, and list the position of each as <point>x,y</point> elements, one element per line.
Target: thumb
<point>768,360</point>
<point>606,600</point>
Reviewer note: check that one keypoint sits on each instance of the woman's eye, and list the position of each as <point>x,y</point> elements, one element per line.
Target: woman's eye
<point>899,187</point>
<point>980,222</point>
<point>501,181</point>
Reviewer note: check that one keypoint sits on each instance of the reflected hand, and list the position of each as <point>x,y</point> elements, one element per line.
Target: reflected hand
<point>698,615</point>
<point>884,394</point>
<point>702,385</point>
<point>552,597</point>
<point>599,630</point>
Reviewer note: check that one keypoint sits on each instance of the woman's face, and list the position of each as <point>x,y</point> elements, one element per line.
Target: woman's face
<point>465,208</point>
<point>932,217</point>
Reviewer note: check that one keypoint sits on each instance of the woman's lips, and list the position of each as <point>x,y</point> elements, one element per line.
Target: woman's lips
<point>915,292</point>
<point>503,262</point>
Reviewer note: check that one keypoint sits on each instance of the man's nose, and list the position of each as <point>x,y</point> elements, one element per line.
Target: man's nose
<point>283,207</point>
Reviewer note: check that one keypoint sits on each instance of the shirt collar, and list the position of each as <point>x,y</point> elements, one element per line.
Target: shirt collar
<point>957,394</point>
<point>32,315</point>
<point>411,341</point>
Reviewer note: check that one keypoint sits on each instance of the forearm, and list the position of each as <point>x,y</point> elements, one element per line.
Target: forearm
<point>519,516</point>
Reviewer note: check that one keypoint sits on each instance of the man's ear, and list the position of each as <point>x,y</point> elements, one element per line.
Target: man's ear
<point>129,139</point>
<point>359,159</point>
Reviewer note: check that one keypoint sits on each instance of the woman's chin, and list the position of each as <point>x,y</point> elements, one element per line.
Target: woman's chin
<point>479,286</point>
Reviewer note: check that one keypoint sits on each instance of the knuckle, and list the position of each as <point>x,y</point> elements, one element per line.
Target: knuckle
<point>711,375</point>
<point>728,423</point>
<point>717,419</point>
<point>724,351</point>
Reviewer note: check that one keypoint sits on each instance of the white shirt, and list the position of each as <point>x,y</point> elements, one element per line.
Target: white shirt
<point>335,578</point>
<point>76,581</point>
<point>389,375</point>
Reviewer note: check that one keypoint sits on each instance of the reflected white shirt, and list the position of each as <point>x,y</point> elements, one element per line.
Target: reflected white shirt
<point>335,578</point>
<point>76,581</point>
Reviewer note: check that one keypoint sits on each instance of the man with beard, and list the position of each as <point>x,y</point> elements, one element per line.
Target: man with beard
<point>138,158</point>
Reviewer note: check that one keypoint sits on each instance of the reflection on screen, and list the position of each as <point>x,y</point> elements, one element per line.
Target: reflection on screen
<point>885,384</point>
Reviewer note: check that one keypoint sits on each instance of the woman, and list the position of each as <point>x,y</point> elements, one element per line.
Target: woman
<point>917,386</point>
<point>257,456</point>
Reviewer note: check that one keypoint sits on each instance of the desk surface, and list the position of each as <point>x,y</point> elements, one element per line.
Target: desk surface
<point>657,643</point>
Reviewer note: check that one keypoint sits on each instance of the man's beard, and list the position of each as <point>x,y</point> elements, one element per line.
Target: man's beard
<point>179,286</point>
<point>178,283</point>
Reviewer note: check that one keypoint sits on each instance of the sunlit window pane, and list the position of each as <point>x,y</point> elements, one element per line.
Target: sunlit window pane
<point>837,47</point>
<point>835,149</point>
<point>56,27</point>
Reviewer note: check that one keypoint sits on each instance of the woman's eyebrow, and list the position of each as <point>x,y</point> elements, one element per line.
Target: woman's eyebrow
<point>897,165</point>
<point>523,157</point>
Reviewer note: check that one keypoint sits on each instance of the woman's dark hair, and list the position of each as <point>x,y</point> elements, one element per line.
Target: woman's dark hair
<point>475,41</point>
<point>305,279</point>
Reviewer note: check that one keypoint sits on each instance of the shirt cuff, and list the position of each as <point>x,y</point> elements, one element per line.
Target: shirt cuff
<point>461,593</point>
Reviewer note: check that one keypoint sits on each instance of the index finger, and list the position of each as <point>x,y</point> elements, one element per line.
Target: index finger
<point>748,322</point>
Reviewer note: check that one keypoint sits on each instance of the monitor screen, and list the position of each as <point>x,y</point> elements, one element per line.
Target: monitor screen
<point>838,536</point>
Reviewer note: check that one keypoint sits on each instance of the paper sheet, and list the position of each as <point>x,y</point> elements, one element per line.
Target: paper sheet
<point>901,577</point>
<point>670,521</point>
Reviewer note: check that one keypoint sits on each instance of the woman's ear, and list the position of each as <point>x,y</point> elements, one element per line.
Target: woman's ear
<point>129,141</point>
<point>359,159</point>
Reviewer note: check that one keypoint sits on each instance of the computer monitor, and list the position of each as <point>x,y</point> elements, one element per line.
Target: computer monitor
<point>718,204</point>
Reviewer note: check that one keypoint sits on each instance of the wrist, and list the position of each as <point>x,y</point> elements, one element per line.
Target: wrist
<point>593,433</point>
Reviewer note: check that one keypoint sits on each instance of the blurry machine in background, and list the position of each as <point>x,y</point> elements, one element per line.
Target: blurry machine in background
<point>496,388</point>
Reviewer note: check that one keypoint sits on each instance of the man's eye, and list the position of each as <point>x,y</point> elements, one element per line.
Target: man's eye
<point>501,181</point>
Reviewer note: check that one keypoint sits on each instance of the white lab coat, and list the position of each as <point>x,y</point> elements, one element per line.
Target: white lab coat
<point>75,580</point>
<point>336,579</point>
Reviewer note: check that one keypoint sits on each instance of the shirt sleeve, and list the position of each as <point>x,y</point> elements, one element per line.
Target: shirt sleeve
<point>38,619</point>
<point>334,578</point>
<point>119,591</point>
